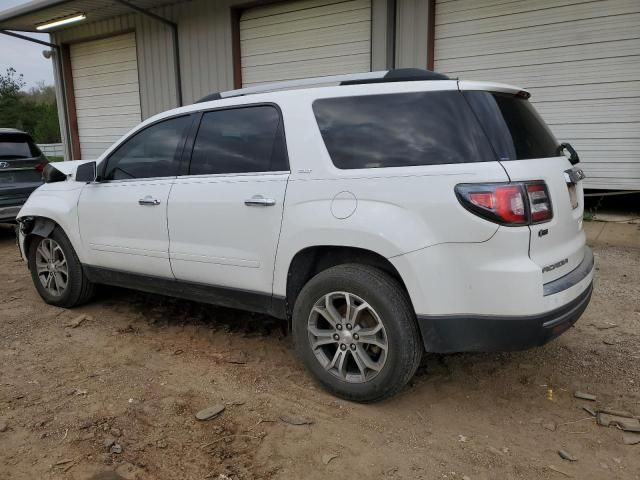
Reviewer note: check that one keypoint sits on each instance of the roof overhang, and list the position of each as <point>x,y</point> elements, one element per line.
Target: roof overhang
<point>28,17</point>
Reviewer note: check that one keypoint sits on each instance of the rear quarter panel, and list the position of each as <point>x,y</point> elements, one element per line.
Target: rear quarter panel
<point>390,211</point>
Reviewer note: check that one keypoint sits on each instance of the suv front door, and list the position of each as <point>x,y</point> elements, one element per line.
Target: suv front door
<point>123,216</point>
<point>225,215</point>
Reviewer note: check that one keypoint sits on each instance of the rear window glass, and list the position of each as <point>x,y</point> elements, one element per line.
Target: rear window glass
<point>400,130</point>
<point>17,147</point>
<point>513,126</point>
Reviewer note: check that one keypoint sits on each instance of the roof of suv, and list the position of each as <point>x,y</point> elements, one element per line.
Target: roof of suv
<point>12,131</point>
<point>385,76</point>
<point>380,81</point>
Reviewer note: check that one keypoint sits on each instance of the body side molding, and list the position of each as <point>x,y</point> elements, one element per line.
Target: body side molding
<point>225,297</point>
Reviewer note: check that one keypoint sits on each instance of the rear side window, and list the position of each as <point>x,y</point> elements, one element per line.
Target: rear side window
<point>400,130</point>
<point>239,140</point>
<point>513,126</point>
<point>17,146</point>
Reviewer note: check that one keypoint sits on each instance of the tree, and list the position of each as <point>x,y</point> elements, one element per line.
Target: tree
<point>42,93</point>
<point>47,129</point>
<point>34,111</point>
<point>11,83</point>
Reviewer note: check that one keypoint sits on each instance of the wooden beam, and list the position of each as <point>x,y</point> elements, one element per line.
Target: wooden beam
<point>72,120</point>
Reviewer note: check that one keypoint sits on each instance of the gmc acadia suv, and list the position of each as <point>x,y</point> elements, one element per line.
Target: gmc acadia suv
<point>388,214</point>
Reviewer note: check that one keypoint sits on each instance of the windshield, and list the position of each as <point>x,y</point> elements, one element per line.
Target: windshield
<point>513,126</point>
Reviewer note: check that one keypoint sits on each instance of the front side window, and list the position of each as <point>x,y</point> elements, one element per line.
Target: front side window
<point>401,130</point>
<point>513,126</point>
<point>150,153</point>
<point>239,140</point>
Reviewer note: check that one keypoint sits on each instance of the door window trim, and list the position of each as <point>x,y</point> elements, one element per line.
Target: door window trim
<point>195,128</point>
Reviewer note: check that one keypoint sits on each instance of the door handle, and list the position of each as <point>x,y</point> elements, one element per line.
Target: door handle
<point>149,200</point>
<point>260,201</point>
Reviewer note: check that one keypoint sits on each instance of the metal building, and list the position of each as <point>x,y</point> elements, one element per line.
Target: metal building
<point>129,59</point>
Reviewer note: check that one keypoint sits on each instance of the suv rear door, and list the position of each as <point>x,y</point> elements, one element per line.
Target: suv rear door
<point>225,213</point>
<point>528,151</point>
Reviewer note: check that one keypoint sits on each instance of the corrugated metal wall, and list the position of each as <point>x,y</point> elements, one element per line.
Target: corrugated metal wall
<point>579,59</point>
<point>305,38</point>
<point>205,48</point>
<point>412,33</point>
<point>206,54</point>
<point>155,54</point>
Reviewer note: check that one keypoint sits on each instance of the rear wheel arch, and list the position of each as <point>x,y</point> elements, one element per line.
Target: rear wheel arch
<point>310,261</point>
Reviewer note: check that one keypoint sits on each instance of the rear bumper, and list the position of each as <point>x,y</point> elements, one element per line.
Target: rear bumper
<point>10,206</point>
<point>488,333</point>
<point>8,214</point>
<point>572,278</point>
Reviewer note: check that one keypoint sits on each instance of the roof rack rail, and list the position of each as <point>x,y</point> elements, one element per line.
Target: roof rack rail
<point>384,76</point>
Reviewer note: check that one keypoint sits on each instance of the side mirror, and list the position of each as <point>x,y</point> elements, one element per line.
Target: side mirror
<point>573,155</point>
<point>86,172</point>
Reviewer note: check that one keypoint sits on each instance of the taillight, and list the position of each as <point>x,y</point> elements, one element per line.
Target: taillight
<point>512,204</point>
<point>539,202</point>
<point>40,167</point>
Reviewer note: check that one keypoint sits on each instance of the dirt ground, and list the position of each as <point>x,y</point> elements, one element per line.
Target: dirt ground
<point>139,367</point>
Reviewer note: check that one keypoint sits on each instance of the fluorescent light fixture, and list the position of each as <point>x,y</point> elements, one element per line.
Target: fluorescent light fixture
<point>63,21</point>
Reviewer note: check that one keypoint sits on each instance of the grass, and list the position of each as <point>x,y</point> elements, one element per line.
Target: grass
<point>55,159</point>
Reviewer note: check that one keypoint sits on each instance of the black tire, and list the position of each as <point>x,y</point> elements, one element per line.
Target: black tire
<point>391,304</point>
<point>78,289</point>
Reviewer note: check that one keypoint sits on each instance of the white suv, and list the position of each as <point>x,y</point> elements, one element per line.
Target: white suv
<point>387,214</point>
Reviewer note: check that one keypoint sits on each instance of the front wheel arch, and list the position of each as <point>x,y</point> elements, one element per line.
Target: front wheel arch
<point>35,227</point>
<point>77,289</point>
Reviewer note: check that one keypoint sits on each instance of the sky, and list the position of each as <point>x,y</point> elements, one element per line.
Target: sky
<point>26,57</point>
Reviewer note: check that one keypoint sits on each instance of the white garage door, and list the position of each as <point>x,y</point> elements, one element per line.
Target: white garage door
<point>105,82</point>
<point>580,60</point>
<point>308,38</point>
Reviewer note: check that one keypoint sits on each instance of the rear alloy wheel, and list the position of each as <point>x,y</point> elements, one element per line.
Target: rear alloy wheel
<point>354,329</point>
<point>57,272</point>
<point>347,337</point>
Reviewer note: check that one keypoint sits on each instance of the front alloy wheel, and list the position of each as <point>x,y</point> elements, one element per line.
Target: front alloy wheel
<point>56,270</point>
<point>347,337</point>
<point>51,267</point>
